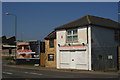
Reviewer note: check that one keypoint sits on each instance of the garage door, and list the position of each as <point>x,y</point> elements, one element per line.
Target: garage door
<point>73,60</point>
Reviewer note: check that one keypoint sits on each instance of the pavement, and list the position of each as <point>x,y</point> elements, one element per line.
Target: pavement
<point>61,70</point>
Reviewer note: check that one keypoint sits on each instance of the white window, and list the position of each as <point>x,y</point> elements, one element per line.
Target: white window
<point>72,35</point>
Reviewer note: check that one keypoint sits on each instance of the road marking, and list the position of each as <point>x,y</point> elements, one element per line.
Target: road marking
<point>26,72</point>
<point>7,73</point>
<point>33,73</point>
<point>36,73</point>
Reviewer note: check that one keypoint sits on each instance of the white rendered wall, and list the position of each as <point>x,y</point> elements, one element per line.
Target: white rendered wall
<point>82,38</point>
<point>82,35</point>
<point>60,39</point>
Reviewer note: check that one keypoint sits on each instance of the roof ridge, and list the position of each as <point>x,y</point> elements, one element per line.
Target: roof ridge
<point>88,19</point>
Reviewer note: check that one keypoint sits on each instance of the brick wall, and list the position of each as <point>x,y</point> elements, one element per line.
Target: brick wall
<point>42,59</point>
<point>48,51</point>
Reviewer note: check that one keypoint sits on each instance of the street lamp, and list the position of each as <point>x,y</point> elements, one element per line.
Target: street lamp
<point>15,22</point>
<point>15,28</point>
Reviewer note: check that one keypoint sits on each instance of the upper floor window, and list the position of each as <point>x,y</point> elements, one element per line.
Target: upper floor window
<point>51,43</point>
<point>72,35</point>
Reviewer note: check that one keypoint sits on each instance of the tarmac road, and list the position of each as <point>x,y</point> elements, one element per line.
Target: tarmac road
<point>13,72</point>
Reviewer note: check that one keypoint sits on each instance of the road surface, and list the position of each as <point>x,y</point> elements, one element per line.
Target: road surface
<point>13,72</point>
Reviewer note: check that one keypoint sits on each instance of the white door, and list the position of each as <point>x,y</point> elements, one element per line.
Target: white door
<point>73,60</point>
<point>81,60</point>
<point>64,59</point>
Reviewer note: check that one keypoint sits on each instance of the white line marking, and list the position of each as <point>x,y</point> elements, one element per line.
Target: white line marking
<point>36,73</point>
<point>26,72</point>
<point>7,73</point>
<point>33,73</point>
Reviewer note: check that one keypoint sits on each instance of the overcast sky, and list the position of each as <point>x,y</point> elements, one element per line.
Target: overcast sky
<point>35,20</point>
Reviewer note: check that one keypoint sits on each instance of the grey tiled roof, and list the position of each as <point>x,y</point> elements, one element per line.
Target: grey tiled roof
<point>52,35</point>
<point>91,20</point>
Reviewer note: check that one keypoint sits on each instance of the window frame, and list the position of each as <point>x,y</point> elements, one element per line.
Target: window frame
<point>72,35</point>
<point>51,41</point>
<point>49,59</point>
